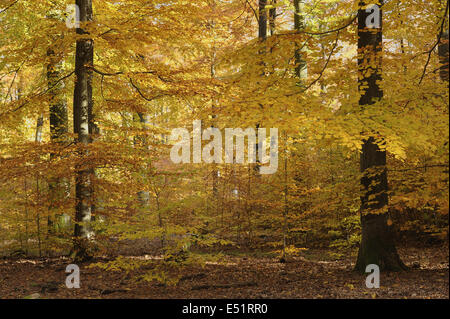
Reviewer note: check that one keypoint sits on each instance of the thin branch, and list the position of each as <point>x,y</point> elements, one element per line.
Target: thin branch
<point>320,33</point>
<point>254,11</point>
<point>334,30</point>
<point>326,63</point>
<point>9,6</point>
<point>39,94</point>
<point>142,95</point>
<point>122,73</point>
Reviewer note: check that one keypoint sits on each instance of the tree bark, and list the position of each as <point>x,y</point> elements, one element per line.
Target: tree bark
<point>299,25</point>
<point>262,22</point>
<point>143,196</point>
<point>81,104</point>
<point>377,244</point>
<point>272,18</point>
<point>215,170</point>
<point>94,132</point>
<point>58,187</point>
<point>262,36</point>
<point>443,56</point>
<point>443,46</point>
<point>39,126</point>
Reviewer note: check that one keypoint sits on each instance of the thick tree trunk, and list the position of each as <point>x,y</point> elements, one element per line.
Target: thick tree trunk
<point>81,105</point>
<point>377,245</point>
<point>377,242</point>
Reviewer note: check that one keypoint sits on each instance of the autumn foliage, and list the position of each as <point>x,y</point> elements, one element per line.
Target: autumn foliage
<point>160,65</point>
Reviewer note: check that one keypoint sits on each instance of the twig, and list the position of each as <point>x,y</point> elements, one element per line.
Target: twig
<point>326,63</point>
<point>142,95</point>
<point>254,11</point>
<point>39,94</point>
<point>9,6</point>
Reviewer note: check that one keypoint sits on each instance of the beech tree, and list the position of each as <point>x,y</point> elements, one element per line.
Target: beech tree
<point>377,242</point>
<point>332,86</point>
<point>82,99</point>
<point>59,122</point>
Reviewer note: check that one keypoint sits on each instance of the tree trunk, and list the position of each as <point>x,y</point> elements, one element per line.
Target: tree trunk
<point>143,196</point>
<point>39,126</point>
<point>94,132</point>
<point>443,56</point>
<point>262,36</point>
<point>82,101</point>
<point>58,187</point>
<point>299,25</point>
<point>377,245</point>
<point>215,170</point>
<point>262,20</point>
<point>272,17</point>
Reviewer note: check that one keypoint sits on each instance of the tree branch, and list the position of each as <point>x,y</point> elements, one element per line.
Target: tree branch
<point>429,52</point>
<point>39,94</point>
<point>9,6</point>
<point>326,63</point>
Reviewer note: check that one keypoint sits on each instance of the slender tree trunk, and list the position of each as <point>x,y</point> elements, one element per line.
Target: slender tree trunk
<point>82,100</point>
<point>377,244</point>
<point>38,219</point>
<point>215,170</point>
<point>299,25</point>
<point>300,72</point>
<point>272,17</point>
<point>286,203</point>
<point>94,132</point>
<point>39,126</point>
<point>26,217</point>
<point>443,56</point>
<point>143,196</point>
<point>262,20</point>
<point>38,139</point>
<point>58,187</point>
<point>262,36</point>
<point>443,47</point>
<point>272,29</point>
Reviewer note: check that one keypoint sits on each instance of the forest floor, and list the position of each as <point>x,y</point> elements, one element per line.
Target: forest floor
<point>312,275</point>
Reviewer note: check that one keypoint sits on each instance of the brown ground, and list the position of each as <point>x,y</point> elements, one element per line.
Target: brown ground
<point>314,275</point>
